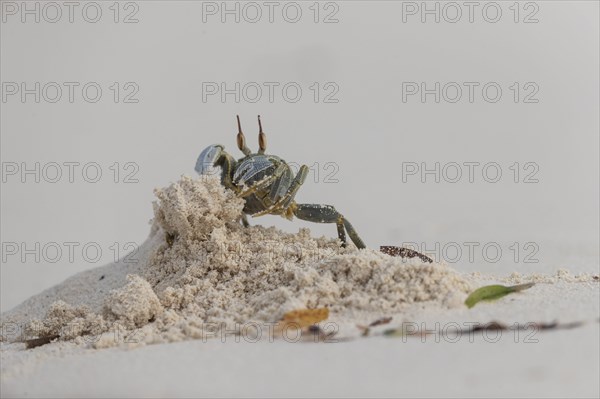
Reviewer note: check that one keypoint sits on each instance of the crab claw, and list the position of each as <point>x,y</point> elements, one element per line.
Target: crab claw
<point>208,157</point>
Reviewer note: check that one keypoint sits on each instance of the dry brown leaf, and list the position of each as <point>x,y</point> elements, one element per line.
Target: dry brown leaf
<point>380,322</point>
<point>404,253</point>
<point>35,342</point>
<point>305,317</point>
<point>366,330</point>
<point>303,320</point>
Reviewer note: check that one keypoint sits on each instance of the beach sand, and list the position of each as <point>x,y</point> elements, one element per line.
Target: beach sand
<point>197,314</point>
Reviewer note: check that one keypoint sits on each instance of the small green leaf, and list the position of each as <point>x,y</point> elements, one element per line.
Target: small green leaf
<point>393,332</point>
<point>493,292</point>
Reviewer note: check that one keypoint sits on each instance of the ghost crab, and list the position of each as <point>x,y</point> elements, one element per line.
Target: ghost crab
<point>268,186</point>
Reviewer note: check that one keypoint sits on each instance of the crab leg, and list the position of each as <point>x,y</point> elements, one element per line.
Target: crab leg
<point>245,220</point>
<point>287,199</point>
<point>328,214</point>
<point>214,155</point>
<point>226,162</point>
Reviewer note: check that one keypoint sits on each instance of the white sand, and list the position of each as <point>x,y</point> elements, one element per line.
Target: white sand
<point>200,268</point>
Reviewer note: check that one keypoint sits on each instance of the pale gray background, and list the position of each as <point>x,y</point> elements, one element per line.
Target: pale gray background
<point>369,133</point>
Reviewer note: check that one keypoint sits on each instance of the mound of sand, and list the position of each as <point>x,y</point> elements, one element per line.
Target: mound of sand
<point>200,266</point>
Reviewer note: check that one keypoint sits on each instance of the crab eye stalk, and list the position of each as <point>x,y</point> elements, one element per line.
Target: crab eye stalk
<point>241,140</point>
<point>262,138</point>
